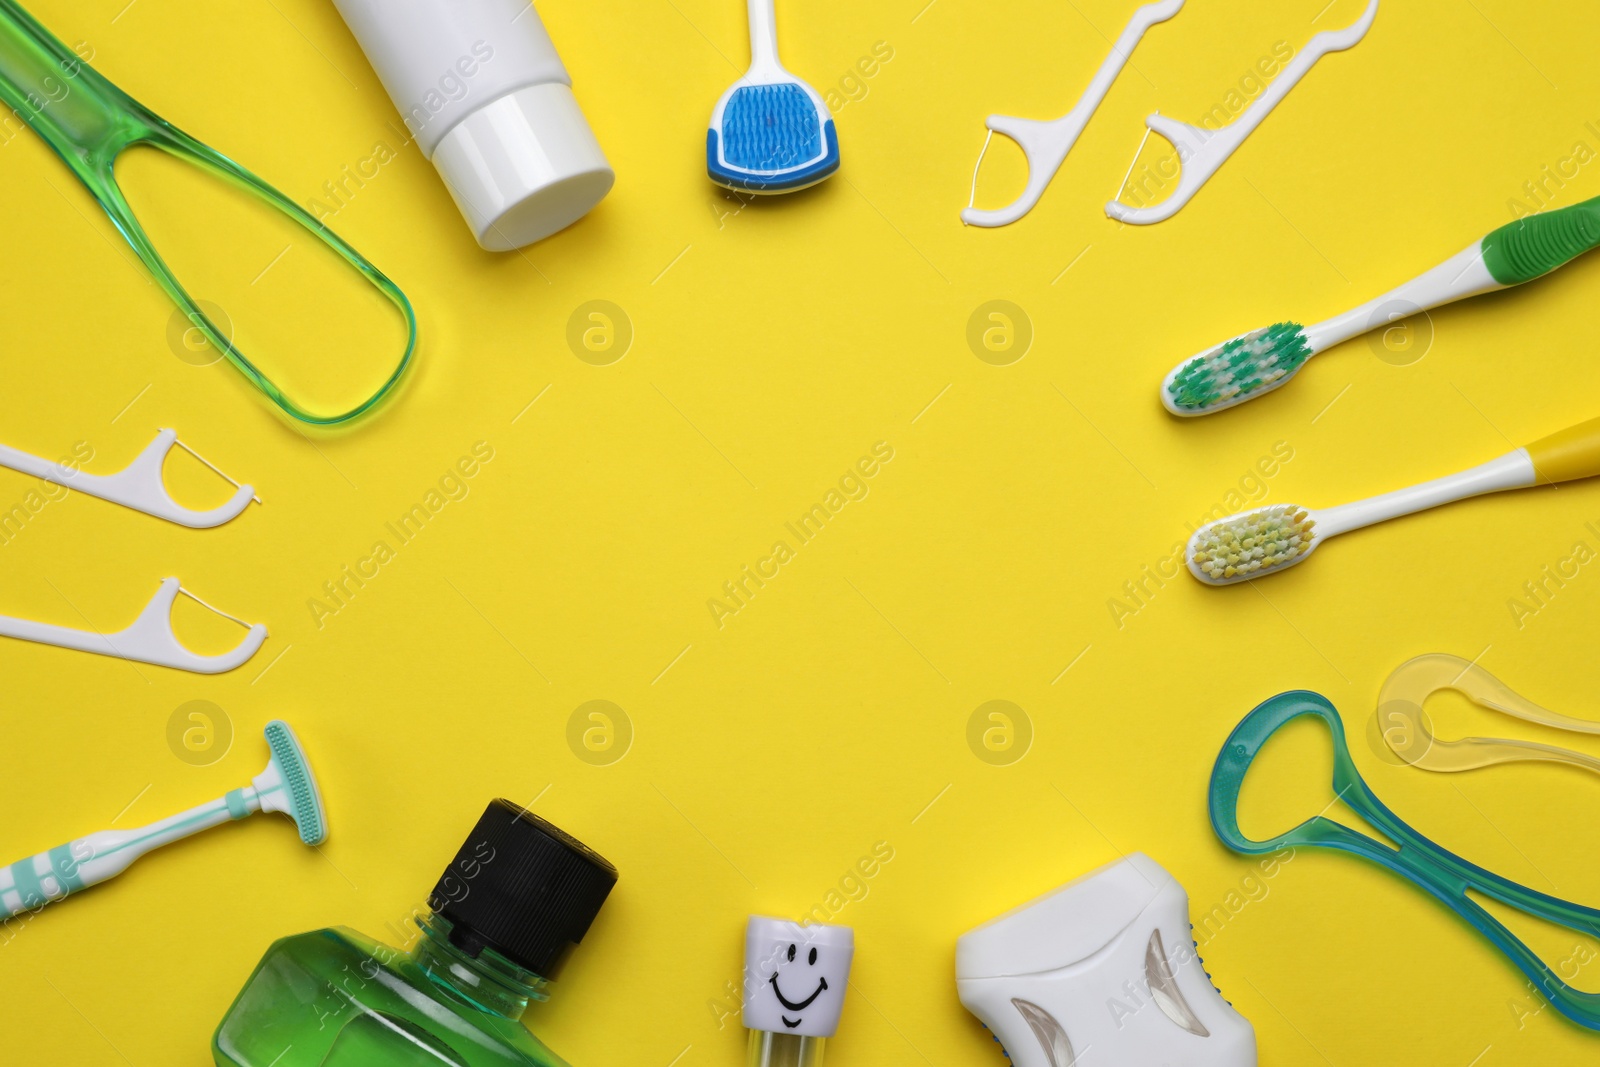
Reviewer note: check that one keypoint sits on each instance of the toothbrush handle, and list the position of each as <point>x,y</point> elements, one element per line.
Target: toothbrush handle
<point>1514,470</point>
<point>1515,253</point>
<point>763,35</point>
<point>1523,250</point>
<point>1462,275</point>
<point>31,883</point>
<point>1569,455</point>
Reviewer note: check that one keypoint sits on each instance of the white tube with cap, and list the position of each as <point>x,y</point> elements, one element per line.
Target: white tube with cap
<point>483,92</point>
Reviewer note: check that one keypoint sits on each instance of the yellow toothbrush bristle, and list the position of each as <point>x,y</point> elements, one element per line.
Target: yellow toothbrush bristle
<point>1250,544</point>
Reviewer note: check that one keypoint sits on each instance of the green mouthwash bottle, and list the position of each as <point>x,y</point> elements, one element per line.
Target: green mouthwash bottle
<point>519,894</point>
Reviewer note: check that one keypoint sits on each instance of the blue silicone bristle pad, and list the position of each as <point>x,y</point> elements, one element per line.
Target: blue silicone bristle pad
<point>770,128</point>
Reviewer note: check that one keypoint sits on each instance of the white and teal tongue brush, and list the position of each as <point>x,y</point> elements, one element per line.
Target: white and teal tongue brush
<point>1260,361</point>
<point>287,785</point>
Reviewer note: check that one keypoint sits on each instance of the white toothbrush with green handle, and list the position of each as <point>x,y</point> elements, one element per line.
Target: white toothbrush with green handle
<point>287,785</point>
<point>1266,540</point>
<point>1260,361</point>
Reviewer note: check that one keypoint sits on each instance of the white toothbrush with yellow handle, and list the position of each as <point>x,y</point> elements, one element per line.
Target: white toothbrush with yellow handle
<point>1254,543</point>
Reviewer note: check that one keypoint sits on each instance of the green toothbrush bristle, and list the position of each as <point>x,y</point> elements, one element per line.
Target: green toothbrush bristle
<point>304,804</point>
<point>1265,540</point>
<point>1237,369</point>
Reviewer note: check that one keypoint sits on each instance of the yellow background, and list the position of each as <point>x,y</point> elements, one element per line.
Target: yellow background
<point>773,345</point>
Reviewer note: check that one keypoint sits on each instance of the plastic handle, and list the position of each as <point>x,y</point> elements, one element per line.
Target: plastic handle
<point>1568,455</point>
<point>89,122</point>
<point>1523,250</point>
<point>149,639</point>
<point>763,36</point>
<point>1045,145</point>
<point>1202,152</point>
<point>139,486</point>
<point>87,861</point>
<point>1442,874</point>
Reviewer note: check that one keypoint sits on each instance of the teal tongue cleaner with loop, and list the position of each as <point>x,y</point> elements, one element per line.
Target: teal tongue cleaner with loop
<point>90,122</point>
<point>1444,875</point>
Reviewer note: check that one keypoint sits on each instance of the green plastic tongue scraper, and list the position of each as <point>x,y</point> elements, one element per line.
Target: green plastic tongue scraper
<point>1445,876</point>
<point>90,122</point>
<point>287,785</point>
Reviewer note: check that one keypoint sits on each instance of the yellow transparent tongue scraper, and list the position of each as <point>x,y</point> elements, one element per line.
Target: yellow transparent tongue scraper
<point>1407,732</point>
<point>90,122</point>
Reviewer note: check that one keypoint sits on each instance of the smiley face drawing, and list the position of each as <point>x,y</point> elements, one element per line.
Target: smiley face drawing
<point>798,1006</point>
<point>795,976</point>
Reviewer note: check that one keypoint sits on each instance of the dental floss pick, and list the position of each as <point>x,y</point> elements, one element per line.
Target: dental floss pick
<point>1046,144</point>
<point>148,639</point>
<point>138,486</point>
<point>1202,152</point>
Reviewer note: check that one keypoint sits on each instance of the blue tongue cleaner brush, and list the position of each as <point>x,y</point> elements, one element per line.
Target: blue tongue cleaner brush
<point>287,785</point>
<point>1108,963</point>
<point>770,132</point>
<point>1443,875</point>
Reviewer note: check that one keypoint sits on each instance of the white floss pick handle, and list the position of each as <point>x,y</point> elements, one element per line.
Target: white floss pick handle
<point>1108,963</point>
<point>1202,152</point>
<point>795,976</point>
<point>1045,144</point>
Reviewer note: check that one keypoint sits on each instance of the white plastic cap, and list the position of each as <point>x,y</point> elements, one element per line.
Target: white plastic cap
<point>795,976</point>
<point>524,166</point>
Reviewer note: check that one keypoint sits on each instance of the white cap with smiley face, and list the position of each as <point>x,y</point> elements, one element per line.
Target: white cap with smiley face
<point>795,976</point>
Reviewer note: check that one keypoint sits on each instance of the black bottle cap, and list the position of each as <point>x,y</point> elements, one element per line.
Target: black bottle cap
<point>522,887</point>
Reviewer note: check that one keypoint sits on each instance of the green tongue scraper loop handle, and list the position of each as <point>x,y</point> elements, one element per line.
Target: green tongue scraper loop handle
<point>89,122</point>
<point>1444,875</point>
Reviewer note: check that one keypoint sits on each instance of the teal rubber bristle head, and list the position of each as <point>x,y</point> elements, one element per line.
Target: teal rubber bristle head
<point>296,794</point>
<point>1236,370</point>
